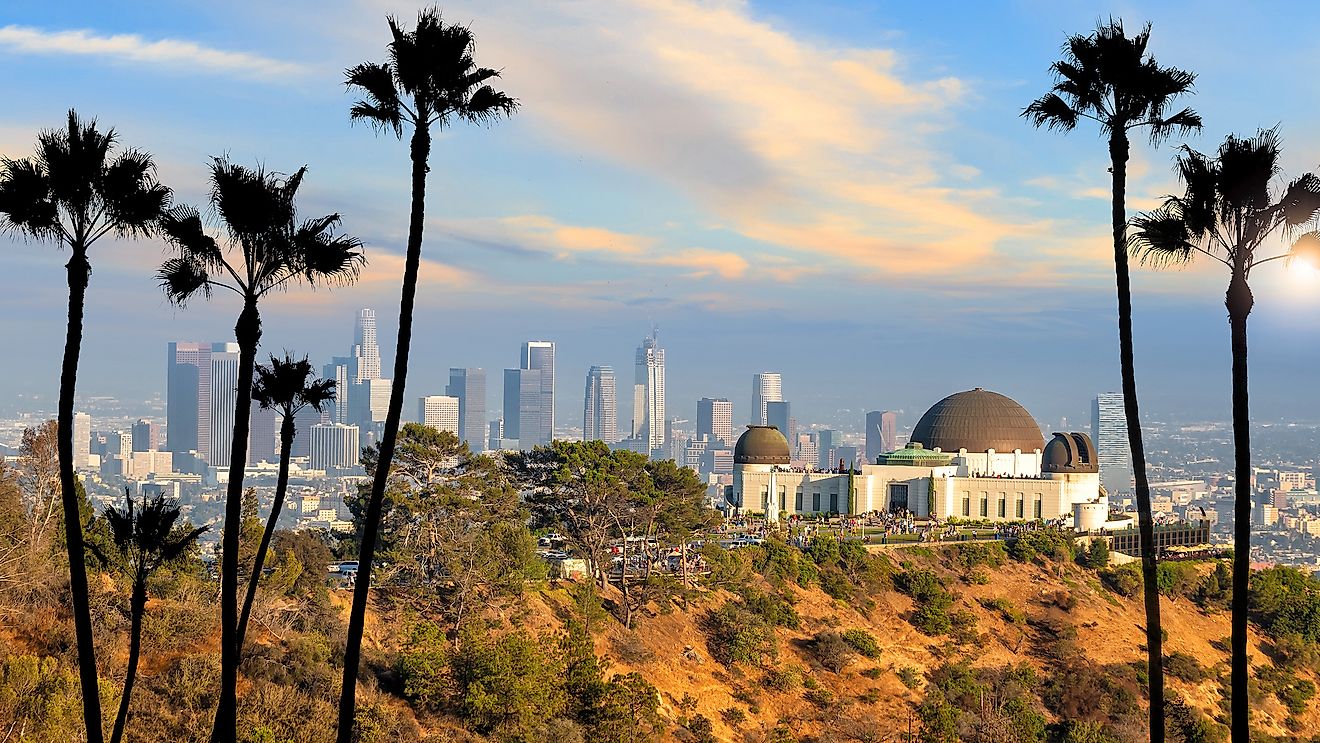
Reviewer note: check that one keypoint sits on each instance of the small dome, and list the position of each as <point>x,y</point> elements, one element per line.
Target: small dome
<point>1069,452</point>
<point>978,420</point>
<point>761,445</point>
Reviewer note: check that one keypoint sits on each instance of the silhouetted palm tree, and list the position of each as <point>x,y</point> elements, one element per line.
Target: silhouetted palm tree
<point>430,81</point>
<point>289,386</point>
<point>73,192</point>
<point>259,226</point>
<point>1108,78</point>
<point>1227,213</point>
<point>144,539</point>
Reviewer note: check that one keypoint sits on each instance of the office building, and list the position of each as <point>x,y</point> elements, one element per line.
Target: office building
<point>777,414</point>
<point>540,356</point>
<point>343,370</point>
<point>1109,430</point>
<point>263,435</point>
<point>523,396</point>
<point>439,412</point>
<point>495,435</point>
<point>649,393</point>
<point>766,387</point>
<point>826,440</point>
<point>715,420</point>
<point>469,386</point>
<point>82,440</point>
<point>881,433</point>
<point>147,436</point>
<point>600,408</point>
<point>365,351</point>
<point>188,398</point>
<point>224,396</point>
<point>369,403</point>
<point>335,446</point>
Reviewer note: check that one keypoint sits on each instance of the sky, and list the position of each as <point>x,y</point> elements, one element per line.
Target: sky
<point>843,192</point>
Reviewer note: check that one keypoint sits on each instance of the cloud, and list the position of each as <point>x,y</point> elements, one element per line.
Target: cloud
<point>133,48</point>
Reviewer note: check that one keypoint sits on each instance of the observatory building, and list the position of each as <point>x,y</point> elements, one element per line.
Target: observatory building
<point>974,455</point>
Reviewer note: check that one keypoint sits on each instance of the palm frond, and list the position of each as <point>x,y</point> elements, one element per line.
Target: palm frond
<point>1051,112</point>
<point>1183,123</point>
<point>381,108</point>
<point>134,200</point>
<point>1161,238</point>
<point>26,205</point>
<point>182,279</point>
<point>74,160</point>
<point>1307,248</point>
<point>487,104</point>
<point>1301,201</point>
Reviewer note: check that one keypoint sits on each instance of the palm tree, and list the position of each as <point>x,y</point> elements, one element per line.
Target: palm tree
<point>73,192</point>
<point>272,250</point>
<point>144,539</point>
<point>429,81</point>
<point>1229,213</point>
<point>1109,78</point>
<point>288,386</point>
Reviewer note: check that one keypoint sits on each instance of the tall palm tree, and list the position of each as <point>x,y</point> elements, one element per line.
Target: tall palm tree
<point>1229,213</point>
<point>1108,78</point>
<point>429,81</point>
<point>289,386</point>
<point>144,539</point>
<point>73,192</point>
<point>271,250</point>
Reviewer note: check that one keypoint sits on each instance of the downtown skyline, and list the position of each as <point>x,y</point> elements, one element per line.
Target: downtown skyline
<point>745,256</point>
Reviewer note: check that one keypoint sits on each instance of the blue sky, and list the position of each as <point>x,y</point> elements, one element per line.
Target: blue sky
<point>842,192</point>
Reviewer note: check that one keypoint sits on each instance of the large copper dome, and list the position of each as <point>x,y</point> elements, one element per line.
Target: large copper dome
<point>761,445</point>
<point>978,420</point>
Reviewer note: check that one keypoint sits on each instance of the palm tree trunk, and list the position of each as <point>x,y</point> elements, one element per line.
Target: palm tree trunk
<point>1239,302</point>
<point>248,334</point>
<point>1118,154</point>
<point>287,432</point>
<point>139,607</point>
<point>421,150</point>
<point>79,270</point>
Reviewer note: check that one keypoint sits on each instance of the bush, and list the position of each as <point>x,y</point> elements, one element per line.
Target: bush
<point>1124,580</point>
<point>783,679</point>
<point>1048,543</point>
<point>863,642</point>
<point>933,601</point>
<point>736,635</point>
<point>775,608</point>
<point>975,554</point>
<point>733,717</point>
<point>820,697</point>
<point>1005,608</point>
<point>832,650</point>
<point>910,677</point>
<point>1176,578</point>
<point>1096,555</point>
<point>1185,667</point>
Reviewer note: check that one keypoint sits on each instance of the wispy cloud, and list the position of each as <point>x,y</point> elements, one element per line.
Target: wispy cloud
<point>133,48</point>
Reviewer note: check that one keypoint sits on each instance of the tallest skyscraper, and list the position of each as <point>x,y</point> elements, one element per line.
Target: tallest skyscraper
<point>365,351</point>
<point>539,356</point>
<point>649,393</point>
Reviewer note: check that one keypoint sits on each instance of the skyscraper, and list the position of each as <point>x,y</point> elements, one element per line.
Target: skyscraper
<point>146,435</point>
<point>826,440</point>
<point>881,433</point>
<point>540,356</point>
<point>1109,431</point>
<point>343,370</point>
<point>369,402</point>
<point>715,420</point>
<point>365,349</point>
<point>778,414</point>
<point>649,393</point>
<point>334,446</point>
<point>600,407</point>
<point>469,386</point>
<point>82,440</point>
<point>523,419</point>
<point>188,398</point>
<point>439,412</point>
<point>224,395</point>
<point>766,387</point>
<point>263,436</point>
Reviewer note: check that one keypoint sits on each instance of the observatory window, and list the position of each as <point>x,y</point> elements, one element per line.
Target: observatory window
<point>985,505</point>
<point>1037,506</point>
<point>1003,507</point>
<point>967,506</point>
<point>815,502</point>
<point>797,501</point>
<point>1019,505</point>
<point>834,502</point>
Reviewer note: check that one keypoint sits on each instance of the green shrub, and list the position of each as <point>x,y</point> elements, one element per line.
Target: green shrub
<point>910,677</point>
<point>1185,667</point>
<point>735,635</point>
<point>775,608</point>
<point>1048,543</point>
<point>783,679</point>
<point>1124,580</point>
<point>863,642</point>
<point>975,554</point>
<point>822,698</point>
<point>733,717</point>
